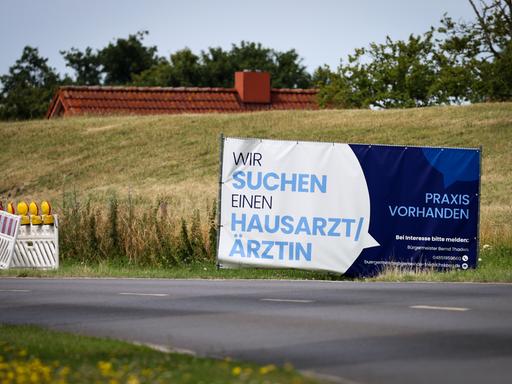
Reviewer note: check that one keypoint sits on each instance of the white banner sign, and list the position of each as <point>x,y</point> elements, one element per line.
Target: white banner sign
<point>293,204</point>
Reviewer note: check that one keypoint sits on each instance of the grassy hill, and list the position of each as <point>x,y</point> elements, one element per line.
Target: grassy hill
<point>176,157</point>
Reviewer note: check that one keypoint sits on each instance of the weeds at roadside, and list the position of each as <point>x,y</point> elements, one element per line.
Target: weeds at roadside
<point>135,235</point>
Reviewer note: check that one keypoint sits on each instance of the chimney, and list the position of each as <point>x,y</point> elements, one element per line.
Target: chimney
<point>253,87</point>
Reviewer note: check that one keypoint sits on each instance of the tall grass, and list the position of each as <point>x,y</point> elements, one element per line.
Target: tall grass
<point>131,232</point>
<point>135,234</point>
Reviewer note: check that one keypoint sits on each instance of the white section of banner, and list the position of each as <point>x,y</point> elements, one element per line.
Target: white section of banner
<point>288,204</point>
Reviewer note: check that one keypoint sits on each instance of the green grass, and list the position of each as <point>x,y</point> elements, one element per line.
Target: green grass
<point>30,354</point>
<point>174,159</point>
<point>198,270</point>
<point>495,265</point>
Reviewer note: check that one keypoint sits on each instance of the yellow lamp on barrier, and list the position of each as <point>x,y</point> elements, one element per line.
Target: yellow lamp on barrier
<point>46,209</point>
<point>10,208</point>
<point>33,208</point>
<point>35,219</point>
<point>22,209</point>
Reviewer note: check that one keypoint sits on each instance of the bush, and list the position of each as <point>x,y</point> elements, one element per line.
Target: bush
<point>119,231</point>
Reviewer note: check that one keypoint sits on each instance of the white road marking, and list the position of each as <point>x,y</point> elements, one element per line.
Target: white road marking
<point>15,290</point>
<point>144,294</point>
<point>165,349</point>
<point>328,378</point>
<point>288,300</point>
<point>457,309</point>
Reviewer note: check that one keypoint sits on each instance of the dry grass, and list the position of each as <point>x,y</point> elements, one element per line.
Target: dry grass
<point>176,157</point>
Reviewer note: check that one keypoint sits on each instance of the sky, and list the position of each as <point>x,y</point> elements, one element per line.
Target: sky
<point>321,31</point>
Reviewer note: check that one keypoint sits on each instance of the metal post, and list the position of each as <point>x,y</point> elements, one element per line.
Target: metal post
<point>479,203</point>
<point>219,196</point>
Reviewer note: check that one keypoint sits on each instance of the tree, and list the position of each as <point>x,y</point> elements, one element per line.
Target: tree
<point>86,65</point>
<point>285,68</point>
<point>125,58</point>
<point>492,29</point>
<point>322,76</point>
<point>186,69</point>
<point>479,51</point>
<point>455,63</point>
<point>497,76</point>
<point>218,68</point>
<point>28,87</point>
<point>289,71</point>
<point>183,70</point>
<point>335,91</point>
<point>215,67</point>
<point>159,75</point>
<point>116,64</point>
<point>252,56</point>
<point>492,32</point>
<point>395,74</point>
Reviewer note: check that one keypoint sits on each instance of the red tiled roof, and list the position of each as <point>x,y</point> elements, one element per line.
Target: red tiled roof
<point>79,100</point>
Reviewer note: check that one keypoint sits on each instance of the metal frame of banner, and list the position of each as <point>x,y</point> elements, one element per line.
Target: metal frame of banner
<point>369,145</point>
<point>219,198</point>
<point>479,203</point>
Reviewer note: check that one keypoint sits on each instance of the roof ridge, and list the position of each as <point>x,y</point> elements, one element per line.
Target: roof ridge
<point>142,89</point>
<point>295,90</point>
<point>173,89</point>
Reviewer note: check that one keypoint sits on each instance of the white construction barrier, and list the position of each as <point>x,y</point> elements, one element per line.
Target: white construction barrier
<point>37,246</point>
<point>9,228</point>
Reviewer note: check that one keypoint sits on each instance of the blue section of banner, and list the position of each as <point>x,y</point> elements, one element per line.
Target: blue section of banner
<point>424,205</point>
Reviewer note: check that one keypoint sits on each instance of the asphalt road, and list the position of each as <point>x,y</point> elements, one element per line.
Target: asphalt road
<point>356,332</point>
